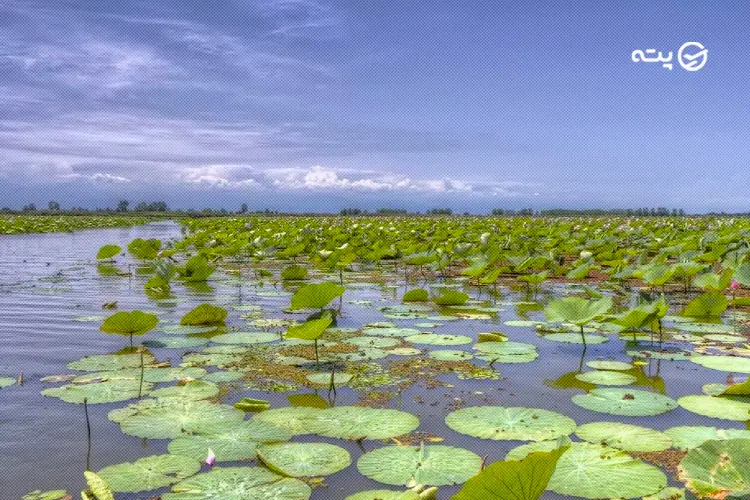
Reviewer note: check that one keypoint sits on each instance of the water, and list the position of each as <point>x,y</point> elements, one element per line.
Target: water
<point>48,280</point>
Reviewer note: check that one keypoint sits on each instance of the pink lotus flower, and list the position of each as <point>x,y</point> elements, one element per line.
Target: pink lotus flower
<point>211,458</point>
<point>734,285</point>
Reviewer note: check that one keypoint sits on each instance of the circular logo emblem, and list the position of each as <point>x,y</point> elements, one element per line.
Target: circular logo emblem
<point>692,56</point>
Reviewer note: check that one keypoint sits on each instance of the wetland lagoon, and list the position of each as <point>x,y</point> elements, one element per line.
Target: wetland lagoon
<point>364,358</point>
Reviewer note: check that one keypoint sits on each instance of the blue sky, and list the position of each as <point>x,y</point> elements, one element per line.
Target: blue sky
<point>320,105</point>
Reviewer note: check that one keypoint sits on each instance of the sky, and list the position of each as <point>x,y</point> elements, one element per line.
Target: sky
<point>317,105</point>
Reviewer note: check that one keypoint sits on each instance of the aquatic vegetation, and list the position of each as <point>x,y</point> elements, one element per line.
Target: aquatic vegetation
<point>255,360</point>
<point>513,479</point>
<point>717,468</point>
<point>108,252</point>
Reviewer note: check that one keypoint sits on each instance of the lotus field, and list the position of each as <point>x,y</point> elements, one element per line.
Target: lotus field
<point>366,358</point>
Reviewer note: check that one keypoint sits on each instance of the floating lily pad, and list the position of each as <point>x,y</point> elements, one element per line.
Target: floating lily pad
<point>523,323</point>
<point>664,355</point>
<point>575,338</point>
<point>166,419</point>
<point>296,419</point>
<point>109,391</point>
<point>372,341</point>
<point>668,493</point>
<point>450,355</point>
<point>230,442</point>
<point>624,436</point>
<point>603,377</point>
<point>625,402</point>
<point>364,354</point>
<point>149,473</point>
<point>497,422</point>
<point>186,329</point>
<point>239,483</point>
<point>717,468</point>
<point>102,362</point>
<point>405,351</point>
<point>355,422</point>
<point>384,495</point>
<point>245,338</point>
<point>434,465</point>
<point>190,391</point>
<point>595,471</point>
<point>304,459</point>
<point>609,365</point>
<point>176,342</point>
<point>520,452</point>
<point>733,364</point>
<point>725,408</point>
<point>170,374</point>
<point>390,332</point>
<point>689,437</point>
<point>507,352</point>
<point>6,382</point>
<point>437,339</point>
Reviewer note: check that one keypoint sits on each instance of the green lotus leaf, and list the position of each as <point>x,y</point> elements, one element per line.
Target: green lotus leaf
<point>405,351</point>
<point>175,342</point>
<point>576,310</point>
<point>742,389</point>
<point>391,332</point>
<point>451,298</point>
<point>311,329</point>
<point>171,374</point>
<point>355,422</point>
<point>109,391</point>
<point>149,473</point>
<point>251,405</point>
<point>416,295</point>
<point>609,365</point>
<point>437,339</point>
<point>624,436</point>
<point>521,452</point>
<point>575,338</point>
<point>166,419</point>
<point>187,329</point>
<point>189,391</point>
<point>229,442</point>
<point>307,400</point>
<point>304,459</point>
<point>316,295</point>
<point>733,364</point>
<point>372,341</point>
<point>204,314</point>
<point>450,355</point>
<point>503,423</point>
<point>129,323</point>
<point>144,249</point>
<point>709,305</point>
<point>511,479</point>
<point>689,437</point>
<point>435,465</point>
<point>507,352</point>
<point>596,471</point>
<point>245,338</point>
<point>239,483</point>
<point>6,382</point>
<point>668,493</point>
<point>491,337</point>
<point>46,495</point>
<point>98,489</point>
<point>603,377</point>
<point>625,402</point>
<point>294,272</point>
<point>298,420</point>
<point>108,251</point>
<point>716,469</point>
<point>725,408</point>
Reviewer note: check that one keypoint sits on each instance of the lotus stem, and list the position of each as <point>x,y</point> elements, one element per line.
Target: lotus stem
<point>140,386</point>
<point>583,337</point>
<point>88,433</point>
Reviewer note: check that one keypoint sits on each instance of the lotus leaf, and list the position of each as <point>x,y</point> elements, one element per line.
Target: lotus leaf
<point>510,423</point>
<point>624,436</point>
<point>149,473</point>
<point>689,437</point>
<point>716,469</point>
<point>625,402</point>
<point>239,483</point>
<point>304,459</point>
